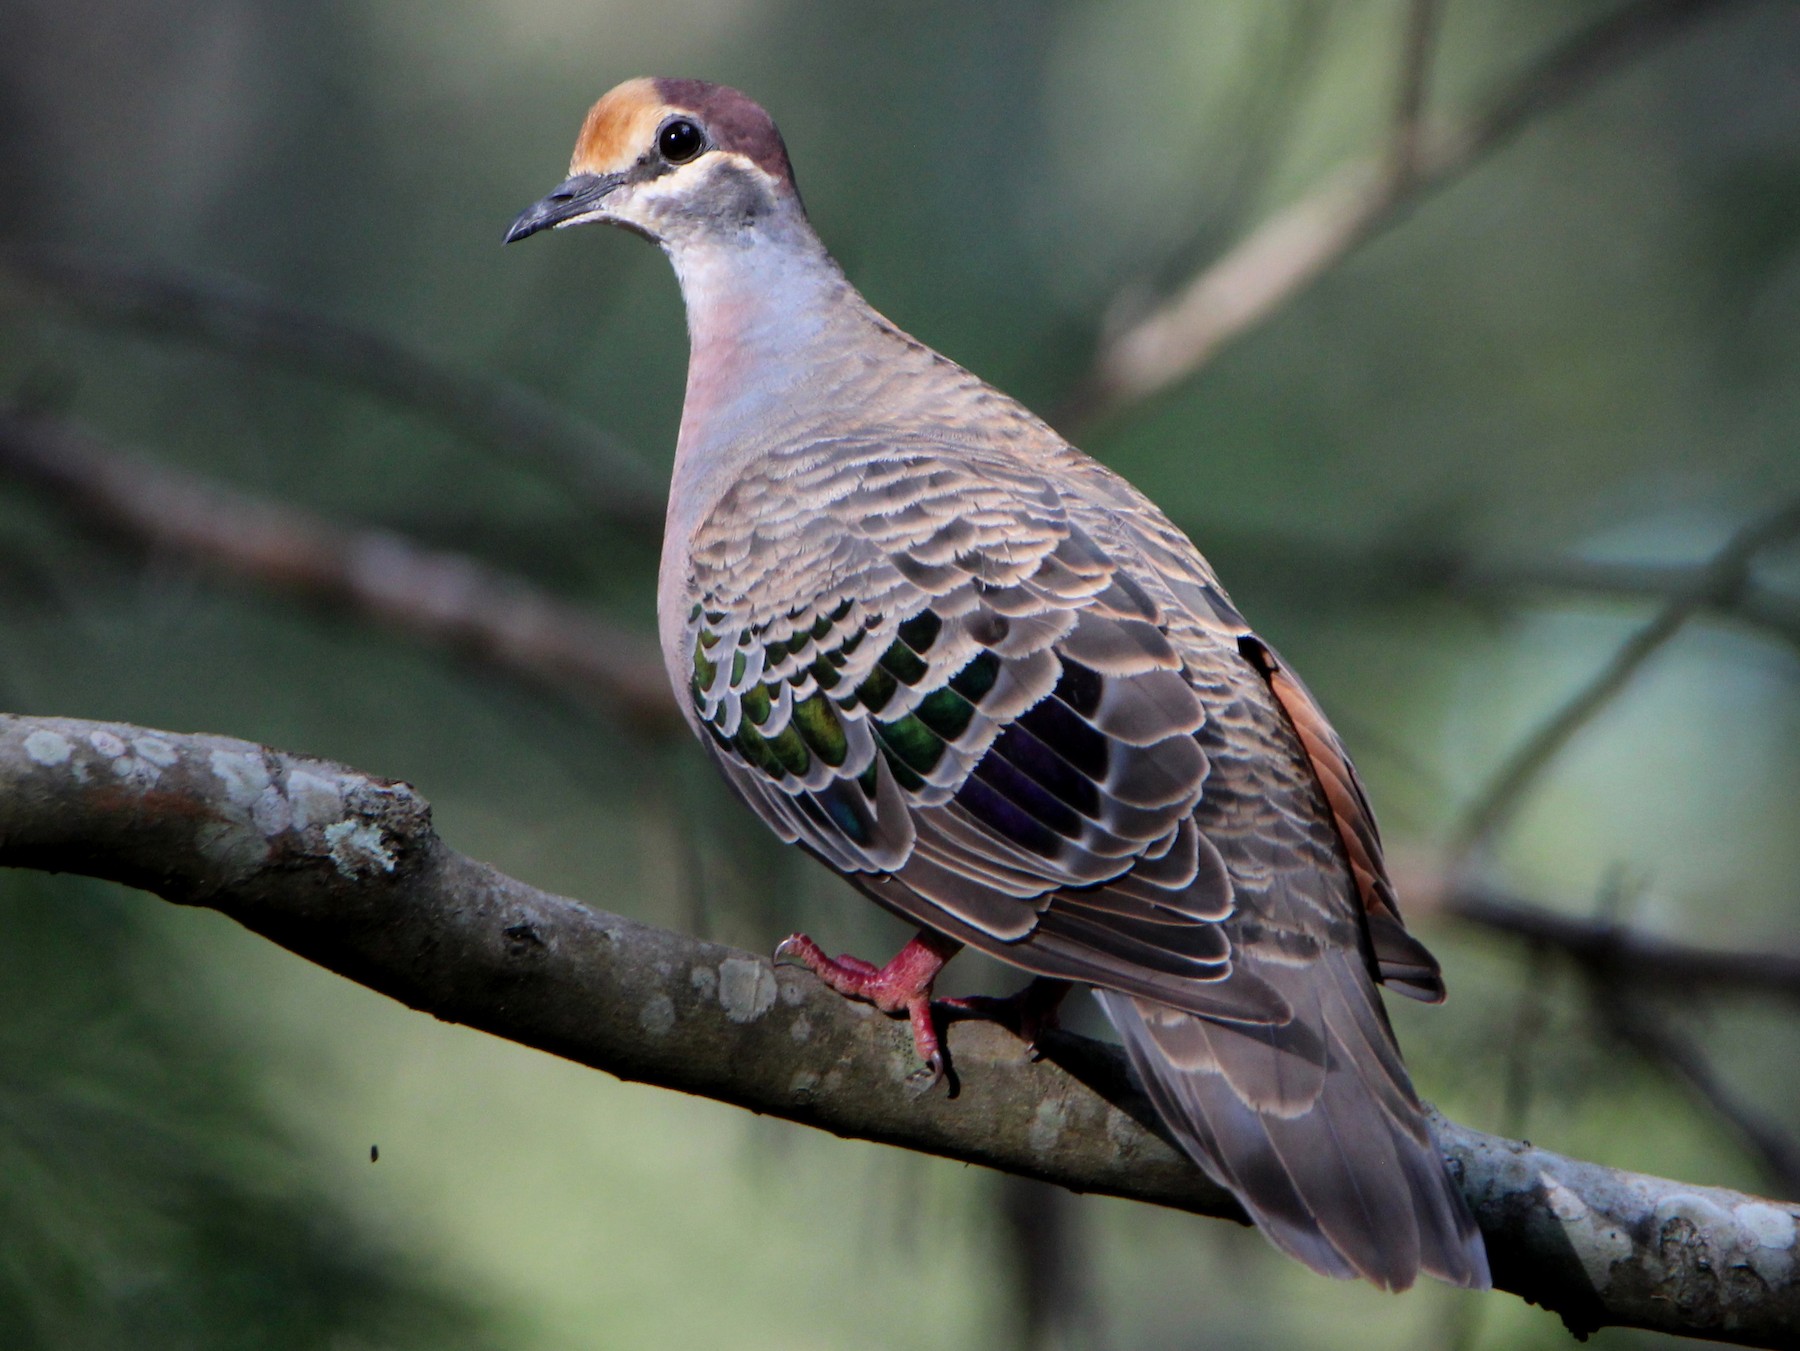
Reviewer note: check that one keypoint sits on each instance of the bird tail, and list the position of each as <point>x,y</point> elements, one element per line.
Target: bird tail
<point>1314,1127</point>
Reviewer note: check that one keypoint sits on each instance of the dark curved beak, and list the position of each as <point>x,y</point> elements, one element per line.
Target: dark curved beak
<point>572,197</point>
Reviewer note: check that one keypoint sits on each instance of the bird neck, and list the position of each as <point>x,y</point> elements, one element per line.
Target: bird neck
<point>769,316</point>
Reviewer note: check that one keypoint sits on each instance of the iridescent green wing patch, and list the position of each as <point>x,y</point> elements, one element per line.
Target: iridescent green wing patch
<point>832,687</point>
<point>1029,696</point>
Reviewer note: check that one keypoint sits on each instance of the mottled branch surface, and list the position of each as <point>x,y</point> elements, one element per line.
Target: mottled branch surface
<point>345,869</point>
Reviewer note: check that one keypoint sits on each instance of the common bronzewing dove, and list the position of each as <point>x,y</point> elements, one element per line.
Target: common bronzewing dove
<point>987,681</point>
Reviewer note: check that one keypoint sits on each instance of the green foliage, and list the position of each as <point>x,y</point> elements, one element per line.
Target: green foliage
<point>147,1198</point>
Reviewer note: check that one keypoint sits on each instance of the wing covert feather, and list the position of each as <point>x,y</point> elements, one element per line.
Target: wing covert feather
<point>1023,713</point>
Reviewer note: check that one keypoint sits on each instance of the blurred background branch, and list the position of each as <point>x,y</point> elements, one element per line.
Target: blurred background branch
<point>381,578</point>
<point>1720,584</point>
<point>1300,243</point>
<point>1417,43</point>
<point>1651,1033</point>
<point>1622,956</point>
<point>611,481</point>
<point>1749,601</point>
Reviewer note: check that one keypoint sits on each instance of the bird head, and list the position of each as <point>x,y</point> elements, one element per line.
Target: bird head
<point>671,160</point>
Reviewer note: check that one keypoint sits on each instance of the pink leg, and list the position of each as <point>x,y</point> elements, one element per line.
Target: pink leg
<point>902,986</point>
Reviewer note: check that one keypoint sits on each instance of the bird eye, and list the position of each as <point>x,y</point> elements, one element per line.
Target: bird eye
<point>680,141</point>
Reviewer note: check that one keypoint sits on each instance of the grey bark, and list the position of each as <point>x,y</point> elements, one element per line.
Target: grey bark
<point>345,869</point>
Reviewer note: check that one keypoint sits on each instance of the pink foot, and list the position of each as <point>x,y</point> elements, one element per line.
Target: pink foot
<point>1028,1014</point>
<point>902,986</point>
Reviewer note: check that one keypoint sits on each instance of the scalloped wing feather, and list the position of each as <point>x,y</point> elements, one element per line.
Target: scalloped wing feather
<point>1010,701</point>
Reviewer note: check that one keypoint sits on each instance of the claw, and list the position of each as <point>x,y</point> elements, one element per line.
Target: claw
<point>902,986</point>
<point>927,1077</point>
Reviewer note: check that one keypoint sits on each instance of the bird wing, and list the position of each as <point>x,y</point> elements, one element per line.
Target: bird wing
<point>946,686</point>
<point>996,704</point>
<point>1011,702</point>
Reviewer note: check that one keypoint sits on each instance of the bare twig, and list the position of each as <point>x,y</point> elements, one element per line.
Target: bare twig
<point>1496,802</point>
<point>1625,955</point>
<point>1416,562</point>
<point>444,598</point>
<point>610,480</point>
<point>345,870</point>
<point>1530,1016</point>
<point>1752,604</point>
<point>1623,967</point>
<point>1660,1042</point>
<point>1290,41</point>
<point>1416,47</point>
<point>1717,584</point>
<point>1298,244</point>
<point>1053,1305</point>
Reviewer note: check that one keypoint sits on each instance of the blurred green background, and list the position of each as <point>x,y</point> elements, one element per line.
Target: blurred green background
<point>1587,348</point>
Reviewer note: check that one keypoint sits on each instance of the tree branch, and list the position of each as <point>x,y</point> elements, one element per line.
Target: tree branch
<point>1716,584</point>
<point>1495,804</point>
<point>1297,245</point>
<point>345,869</point>
<point>242,321</point>
<point>1412,563</point>
<point>1417,46</point>
<point>1751,604</point>
<point>1624,967</point>
<point>452,601</point>
<point>1621,954</point>
<point>446,599</point>
<point>1660,1042</point>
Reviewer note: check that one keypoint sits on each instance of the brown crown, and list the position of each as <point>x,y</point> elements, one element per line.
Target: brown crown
<point>620,126</point>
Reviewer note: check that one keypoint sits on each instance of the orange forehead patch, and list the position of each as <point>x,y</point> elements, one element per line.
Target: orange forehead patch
<point>621,127</point>
<point>618,128</point>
